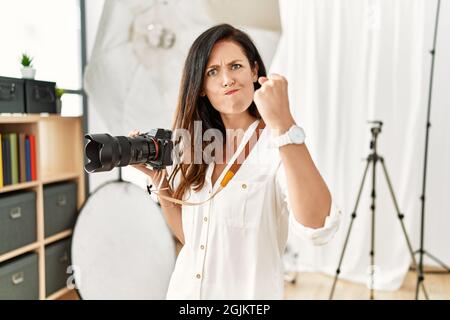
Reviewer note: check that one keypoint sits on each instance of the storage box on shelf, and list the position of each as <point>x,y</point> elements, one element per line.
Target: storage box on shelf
<point>27,96</point>
<point>53,198</point>
<point>19,278</point>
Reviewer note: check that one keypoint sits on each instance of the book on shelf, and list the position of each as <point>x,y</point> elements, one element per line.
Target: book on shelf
<point>17,158</point>
<point>33,157</point>
<point>6,160</point>
<point>14,158</point>
<point>27,159</point>
<point>22,172</point>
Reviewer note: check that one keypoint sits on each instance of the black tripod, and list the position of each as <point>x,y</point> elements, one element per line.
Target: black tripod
<point>422,251</point>
<point>373,158</point>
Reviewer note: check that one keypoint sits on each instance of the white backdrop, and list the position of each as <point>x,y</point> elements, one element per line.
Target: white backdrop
<point>350,61</point>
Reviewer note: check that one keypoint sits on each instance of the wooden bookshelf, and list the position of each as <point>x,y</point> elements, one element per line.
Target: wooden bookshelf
<point>59,158</point>
<point>59,294</point>
<point>19,186</point>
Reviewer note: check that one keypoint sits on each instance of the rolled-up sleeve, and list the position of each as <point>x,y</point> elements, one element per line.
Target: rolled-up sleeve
<point>319,236</point>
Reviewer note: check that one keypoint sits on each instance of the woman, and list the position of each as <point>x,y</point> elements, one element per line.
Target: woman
<point>234,242</point>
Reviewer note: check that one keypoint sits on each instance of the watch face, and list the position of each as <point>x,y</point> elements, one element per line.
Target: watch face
<point>297,135</point>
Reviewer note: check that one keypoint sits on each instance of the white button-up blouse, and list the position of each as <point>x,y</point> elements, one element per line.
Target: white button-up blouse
<point>234,243</point>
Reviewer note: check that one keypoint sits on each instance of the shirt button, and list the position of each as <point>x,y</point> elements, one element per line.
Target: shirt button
<point>244,186</point>
<point>202,247</point>
<point>198,276</point>
<point>205,219</point>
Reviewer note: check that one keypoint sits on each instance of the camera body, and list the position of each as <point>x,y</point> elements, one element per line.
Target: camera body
<point>165,146</point>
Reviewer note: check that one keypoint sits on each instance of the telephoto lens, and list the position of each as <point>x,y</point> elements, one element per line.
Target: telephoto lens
<point>105,152</point>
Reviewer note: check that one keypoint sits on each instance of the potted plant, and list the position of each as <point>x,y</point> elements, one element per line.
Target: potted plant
<point>28,72</point>
<point>59,92</point>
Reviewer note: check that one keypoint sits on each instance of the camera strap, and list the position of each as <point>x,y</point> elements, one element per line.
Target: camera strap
<point>231,172</point>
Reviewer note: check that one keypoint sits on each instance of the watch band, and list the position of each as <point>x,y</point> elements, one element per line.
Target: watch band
<point>276,142</point>
<point>285,138</point>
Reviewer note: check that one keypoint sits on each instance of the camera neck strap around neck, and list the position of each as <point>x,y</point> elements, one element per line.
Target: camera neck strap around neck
<point>231,171</point>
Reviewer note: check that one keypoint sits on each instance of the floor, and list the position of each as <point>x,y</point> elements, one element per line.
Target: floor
<point>317,286</point>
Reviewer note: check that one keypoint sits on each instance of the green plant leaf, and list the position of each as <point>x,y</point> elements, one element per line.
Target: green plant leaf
<point>59,92</point>
<point>26,60</point>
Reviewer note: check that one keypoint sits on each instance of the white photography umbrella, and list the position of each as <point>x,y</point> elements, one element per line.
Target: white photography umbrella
<point>134,72</point>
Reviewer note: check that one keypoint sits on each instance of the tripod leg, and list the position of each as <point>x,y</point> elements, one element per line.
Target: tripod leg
<point>372,238</point>
<point>338,270</point>
<point>419,281</point>
<point>408,242</point>
<point>441,263</point>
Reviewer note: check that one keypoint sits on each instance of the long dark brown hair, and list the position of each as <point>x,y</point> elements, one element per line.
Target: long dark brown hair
<point>192,107</point>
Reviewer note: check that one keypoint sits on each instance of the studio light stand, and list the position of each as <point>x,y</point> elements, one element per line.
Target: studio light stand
<point>372,159</point>
<point>422,251</point>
